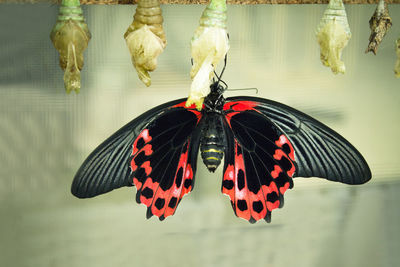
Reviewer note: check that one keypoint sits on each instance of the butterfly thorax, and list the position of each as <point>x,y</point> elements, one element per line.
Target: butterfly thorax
<point>214,102</point>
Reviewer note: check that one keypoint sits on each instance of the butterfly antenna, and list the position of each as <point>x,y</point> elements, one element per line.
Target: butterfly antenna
<point>226,86</point>
<point>222,72</point>
<point>244,89</point>
<point>220,76</point>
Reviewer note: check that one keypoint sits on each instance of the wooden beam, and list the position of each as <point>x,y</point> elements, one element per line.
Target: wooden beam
<point>188,2</point>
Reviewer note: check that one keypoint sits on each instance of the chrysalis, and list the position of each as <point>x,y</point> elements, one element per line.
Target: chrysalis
<point>70,36</point>
<point>145,38</point>
<point>209,46</point>
<point>333,34</point>
<point>379,24</point>
<point>397,66</point>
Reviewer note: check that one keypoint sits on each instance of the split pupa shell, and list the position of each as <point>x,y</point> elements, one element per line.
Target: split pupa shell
<point>397,66</point>
<point>210,37</point>
<point>379,24</point>
<point>145,38</point>
<point>333,34</point>
<point>209,46</point>
<point>70,36</point>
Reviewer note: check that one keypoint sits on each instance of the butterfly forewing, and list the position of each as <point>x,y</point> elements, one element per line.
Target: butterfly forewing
<point>319,151</point>
<point>107,168</point>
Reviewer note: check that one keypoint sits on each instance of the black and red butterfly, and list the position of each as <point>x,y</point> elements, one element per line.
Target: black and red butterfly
<point>264,143</point>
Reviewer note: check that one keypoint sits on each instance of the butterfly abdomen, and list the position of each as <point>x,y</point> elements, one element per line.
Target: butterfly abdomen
<point>212,142</point>
<point>212,154</point>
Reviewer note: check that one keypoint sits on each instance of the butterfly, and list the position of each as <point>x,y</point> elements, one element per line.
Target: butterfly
<point>264,145</point>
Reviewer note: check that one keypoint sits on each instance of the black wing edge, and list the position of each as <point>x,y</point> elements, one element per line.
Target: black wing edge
<point>107,168</point>
<point>319,150</point>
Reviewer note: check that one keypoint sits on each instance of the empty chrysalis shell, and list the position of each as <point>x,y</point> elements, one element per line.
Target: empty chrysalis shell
<point>379,24</point>
<point>209,46</point>
<point>70,36</point>
<point>397,66</point>
<point>333,34</point>
<point>145,38</point>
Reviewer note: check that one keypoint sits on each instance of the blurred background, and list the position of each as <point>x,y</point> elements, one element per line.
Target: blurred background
<point>45,135</point>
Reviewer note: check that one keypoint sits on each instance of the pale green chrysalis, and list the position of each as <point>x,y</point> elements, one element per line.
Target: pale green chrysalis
<point>70,36</point>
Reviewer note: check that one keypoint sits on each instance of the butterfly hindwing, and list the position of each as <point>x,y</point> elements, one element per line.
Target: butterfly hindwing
<point>156,152</point>
<point>258,168</point>
<point>269,143</point>
<point>163,160</point>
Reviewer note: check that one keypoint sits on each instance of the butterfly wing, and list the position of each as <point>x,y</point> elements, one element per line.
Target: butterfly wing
<point>156,152</point>
<point>257,172</point>
<point>268,144</point>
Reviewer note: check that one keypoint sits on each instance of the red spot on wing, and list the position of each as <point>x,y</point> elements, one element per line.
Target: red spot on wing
<point>160,196</point>
<point>277,170</point>
<point>258,198</point>
<point>278,156</point>
<point>273,188</point>
<point>228,182</point>
<point>229,116</point>
<point>133,166</point>
<point>291,171</point>
<point>240,105</point>
<point>146,138</point>
<point>188,172</point>
<point>272,205</point>
<point>284,140</point>
<point>147,150</point>
<point>188,177</point>
<point>147,168</point>
<point>265,189</point>
<point>183,105</point>
<point>236,107</point>
<point>137,183</point>
<point>240,194</point>
<point>191,108</point>
<point>284,188</point>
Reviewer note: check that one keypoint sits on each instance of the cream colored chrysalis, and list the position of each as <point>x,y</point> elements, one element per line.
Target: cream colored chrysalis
<point>397,66</point>
<point>209,46</point>
<point>333,34</point>
<point>379,24</point>
<point>145,38</point>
